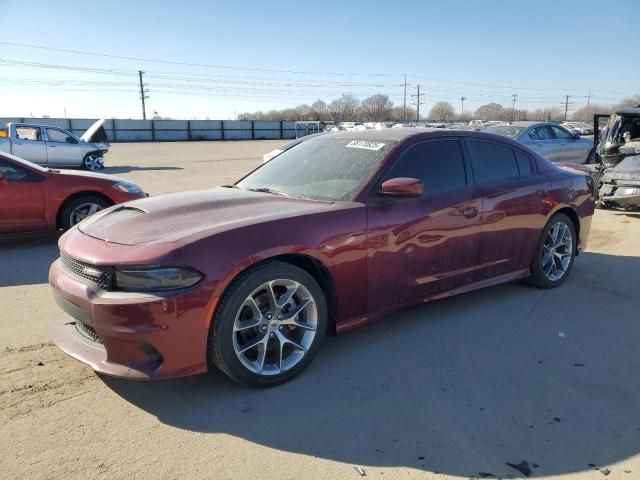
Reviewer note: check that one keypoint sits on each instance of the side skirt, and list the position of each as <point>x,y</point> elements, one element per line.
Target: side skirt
<point>359,322</point>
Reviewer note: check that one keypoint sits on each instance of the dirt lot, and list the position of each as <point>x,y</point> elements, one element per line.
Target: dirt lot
<point>449,390</point>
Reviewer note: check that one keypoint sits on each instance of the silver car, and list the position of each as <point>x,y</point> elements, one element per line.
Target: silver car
<point>55,147</point>
<point>552,141</point>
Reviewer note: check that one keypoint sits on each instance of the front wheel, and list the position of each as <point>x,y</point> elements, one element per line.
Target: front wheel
<point>93,162</point>
<point>555,252</point>
<point>79,208</point>
<point>268,325</point>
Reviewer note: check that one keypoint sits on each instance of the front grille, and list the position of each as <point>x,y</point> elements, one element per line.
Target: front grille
<point>96,274</point>
<point>87,331</point>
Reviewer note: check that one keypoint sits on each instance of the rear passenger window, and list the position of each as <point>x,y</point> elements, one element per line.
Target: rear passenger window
<point>492,162</point>
<point>524,163</point>
<point>439,164</point>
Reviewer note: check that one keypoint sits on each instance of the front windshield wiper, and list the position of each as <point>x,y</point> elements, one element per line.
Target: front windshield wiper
<point>231,186</point>
<point>273,191</point>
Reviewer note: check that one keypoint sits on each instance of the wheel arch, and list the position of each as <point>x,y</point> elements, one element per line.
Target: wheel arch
<point>575,219</point>
<point>75,195</point>
<point>310,264</point>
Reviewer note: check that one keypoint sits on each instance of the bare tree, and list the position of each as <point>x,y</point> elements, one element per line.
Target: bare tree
<point>344,109</point>
<point>376,107</point>
<point>490,111</point>
<point>319,110</point>
<point>442,111</point>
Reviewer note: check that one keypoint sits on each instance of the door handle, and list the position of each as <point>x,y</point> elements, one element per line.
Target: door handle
<point>51,146</point>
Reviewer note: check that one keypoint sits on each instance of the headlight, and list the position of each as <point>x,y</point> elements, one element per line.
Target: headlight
<point>155,279</point>
<point>127,187</point>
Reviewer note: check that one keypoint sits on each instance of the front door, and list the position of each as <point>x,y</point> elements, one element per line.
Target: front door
<point>28,143</point>
<point>422,246</point>
<point>21,200</point>
<point>62,148</point>
<point>545,142</point>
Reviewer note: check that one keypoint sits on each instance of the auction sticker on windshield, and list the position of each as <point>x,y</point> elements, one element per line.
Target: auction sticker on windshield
<point>365,145</point>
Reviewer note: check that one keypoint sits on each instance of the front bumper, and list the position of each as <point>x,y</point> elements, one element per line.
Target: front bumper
<point>131,335</point>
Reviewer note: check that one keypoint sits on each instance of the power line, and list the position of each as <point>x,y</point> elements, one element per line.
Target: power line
<point>269,70</point>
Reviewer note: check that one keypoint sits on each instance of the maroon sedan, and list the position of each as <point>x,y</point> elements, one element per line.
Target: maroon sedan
<point>336,232</point>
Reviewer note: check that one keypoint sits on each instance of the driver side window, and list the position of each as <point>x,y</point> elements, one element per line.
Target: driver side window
<point>438,164</point>
<point>13,173</point>
<point>55,135</point>
<point>561,133</point>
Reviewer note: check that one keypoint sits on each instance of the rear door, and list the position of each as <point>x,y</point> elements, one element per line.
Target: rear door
<point>515,206</point>
<point>422,246</point>
<point>62,148</point>
<point>28,143</point>
<point>21,199</point>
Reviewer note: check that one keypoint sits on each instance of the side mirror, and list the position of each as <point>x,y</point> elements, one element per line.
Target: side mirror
<point>402,187</point>
<point>576,135</point>
<point>70,140</point>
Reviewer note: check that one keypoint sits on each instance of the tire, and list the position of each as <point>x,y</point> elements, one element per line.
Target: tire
<point>541,271</point>
<point>232,331</point>
<point>73,209</point>
<point>90,162</point>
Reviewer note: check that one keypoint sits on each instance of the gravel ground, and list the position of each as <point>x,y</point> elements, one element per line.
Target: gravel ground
<point>454,389</point>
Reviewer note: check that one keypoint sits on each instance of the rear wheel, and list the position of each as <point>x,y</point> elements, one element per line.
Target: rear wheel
<point>268,325</point>
<point>79,208</point>
<point>555,252</point>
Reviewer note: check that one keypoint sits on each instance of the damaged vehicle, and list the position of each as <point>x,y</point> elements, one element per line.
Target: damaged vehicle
<point>618,150</point>
<point>52,146</point>
<point>620,185</point>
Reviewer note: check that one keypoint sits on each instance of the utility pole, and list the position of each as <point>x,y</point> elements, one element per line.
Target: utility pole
<point>418,96</point>
<point>513,106</point>
<point>589,106</point>
<point>566,106</point>
<point>142,95</point>
<point>462,99</point>
<point>404,105</point>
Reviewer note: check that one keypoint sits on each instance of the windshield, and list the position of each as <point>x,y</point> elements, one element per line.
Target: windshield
<point>321,168</point>
<point>510,131</point>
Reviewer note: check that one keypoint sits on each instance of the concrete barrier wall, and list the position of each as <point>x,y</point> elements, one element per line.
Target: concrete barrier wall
<point>122,130</point>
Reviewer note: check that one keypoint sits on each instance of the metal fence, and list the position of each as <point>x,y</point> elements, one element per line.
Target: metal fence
<point>173,130</point>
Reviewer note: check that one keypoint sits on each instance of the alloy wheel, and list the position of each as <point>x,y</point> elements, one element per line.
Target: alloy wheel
<point>82,211</point>
<point>275,326</point>
<point>557,251</point>
<point>93,162</point>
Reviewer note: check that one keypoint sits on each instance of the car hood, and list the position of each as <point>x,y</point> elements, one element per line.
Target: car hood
<point>189,216</point>
<point>88,136</point>
<point>83,174</point>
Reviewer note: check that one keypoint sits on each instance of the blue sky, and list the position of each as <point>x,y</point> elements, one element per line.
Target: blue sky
<point>485,51</point>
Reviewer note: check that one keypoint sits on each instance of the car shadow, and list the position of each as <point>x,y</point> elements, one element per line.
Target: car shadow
<point>128,169</point>
<point>460,386</point>
<point>25,259</point>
